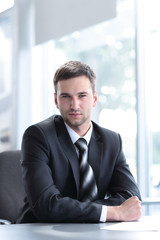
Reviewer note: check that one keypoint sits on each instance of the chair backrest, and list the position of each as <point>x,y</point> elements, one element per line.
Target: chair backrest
<point>11,185</point>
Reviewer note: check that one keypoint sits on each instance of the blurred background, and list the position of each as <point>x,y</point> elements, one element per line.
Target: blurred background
<point>119,39</point>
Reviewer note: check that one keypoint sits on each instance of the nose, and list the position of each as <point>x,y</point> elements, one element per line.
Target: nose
<point>74,103</point>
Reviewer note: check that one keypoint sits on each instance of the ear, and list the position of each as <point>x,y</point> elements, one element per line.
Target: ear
<point>55,100</point>
<point>95,98</point>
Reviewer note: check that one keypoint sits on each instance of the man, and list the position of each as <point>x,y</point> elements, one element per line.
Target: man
<point>51,170</point>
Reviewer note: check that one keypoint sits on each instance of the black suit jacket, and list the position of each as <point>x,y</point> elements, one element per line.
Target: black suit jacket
<point>51,173</point>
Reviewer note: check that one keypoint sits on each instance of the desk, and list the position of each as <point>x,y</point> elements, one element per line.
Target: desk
<point>40,231</point>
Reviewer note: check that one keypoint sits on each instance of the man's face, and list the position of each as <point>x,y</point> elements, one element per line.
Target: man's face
<point>75,99</point>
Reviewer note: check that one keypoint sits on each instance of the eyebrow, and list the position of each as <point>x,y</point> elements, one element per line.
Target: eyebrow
<point>64,93</point>
<point>83,93</point>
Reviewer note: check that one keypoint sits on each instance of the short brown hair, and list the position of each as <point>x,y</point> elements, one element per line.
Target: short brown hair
<point>74,69</point>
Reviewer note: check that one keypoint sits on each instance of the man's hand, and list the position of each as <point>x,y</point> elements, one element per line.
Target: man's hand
<point>130,210</point>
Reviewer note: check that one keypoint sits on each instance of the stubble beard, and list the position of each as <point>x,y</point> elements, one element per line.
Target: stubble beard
<point>76,124</point>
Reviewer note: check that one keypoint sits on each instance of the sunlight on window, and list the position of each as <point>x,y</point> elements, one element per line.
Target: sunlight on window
<point>5,4</point>
<point>152,51</point>
<point>152,73</point>
<point>5,82</point>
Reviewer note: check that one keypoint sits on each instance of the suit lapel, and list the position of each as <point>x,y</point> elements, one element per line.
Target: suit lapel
<point>68,149</point>
<point>95,154</point>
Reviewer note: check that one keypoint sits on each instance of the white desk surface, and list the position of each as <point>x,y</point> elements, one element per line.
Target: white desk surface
<point>148,228</point>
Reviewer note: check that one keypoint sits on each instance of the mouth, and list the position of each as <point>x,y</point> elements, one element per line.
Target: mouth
<point>74,114</point>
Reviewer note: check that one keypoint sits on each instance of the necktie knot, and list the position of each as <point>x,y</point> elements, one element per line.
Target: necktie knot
<point>81,144</point>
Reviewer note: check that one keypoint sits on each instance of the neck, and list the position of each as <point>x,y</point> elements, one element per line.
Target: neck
<point>80,130</point>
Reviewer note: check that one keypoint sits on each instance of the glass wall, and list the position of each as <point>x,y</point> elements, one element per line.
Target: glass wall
<point>5,81</point>
<point>152,79</point>
<point>152,69</point>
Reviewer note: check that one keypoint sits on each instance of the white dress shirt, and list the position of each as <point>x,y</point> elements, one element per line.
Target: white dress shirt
<point>74,137</point>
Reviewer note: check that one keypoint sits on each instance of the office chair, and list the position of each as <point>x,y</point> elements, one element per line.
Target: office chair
<point>11,186</point>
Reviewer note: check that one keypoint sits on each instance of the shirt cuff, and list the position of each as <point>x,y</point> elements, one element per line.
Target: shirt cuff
<point>103,214</point>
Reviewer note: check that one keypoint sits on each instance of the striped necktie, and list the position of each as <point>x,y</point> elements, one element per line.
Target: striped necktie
<point>88,187</point>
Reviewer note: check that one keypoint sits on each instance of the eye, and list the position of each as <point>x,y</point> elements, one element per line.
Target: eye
<point>65,96</point>
<point>83,95</point>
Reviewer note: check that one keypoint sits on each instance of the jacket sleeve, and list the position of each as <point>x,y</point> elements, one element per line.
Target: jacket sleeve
<point>45,199</point>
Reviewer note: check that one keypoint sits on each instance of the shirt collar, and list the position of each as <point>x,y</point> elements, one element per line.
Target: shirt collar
<point>74,136</point>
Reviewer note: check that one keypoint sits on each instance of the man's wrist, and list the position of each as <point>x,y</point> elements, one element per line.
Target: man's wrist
<point>113,213</point>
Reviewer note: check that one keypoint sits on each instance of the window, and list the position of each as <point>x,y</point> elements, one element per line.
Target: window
<point>5,81</point>
<point>152,70</point>
<point>151,52</point>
